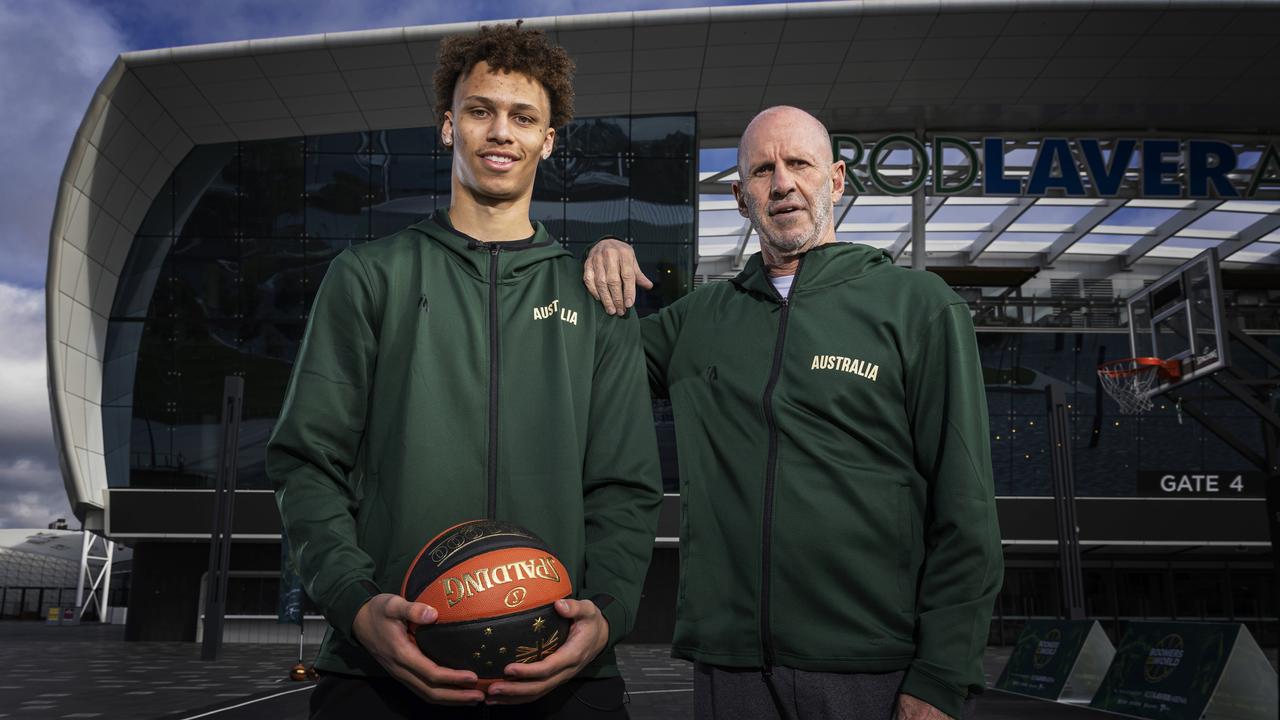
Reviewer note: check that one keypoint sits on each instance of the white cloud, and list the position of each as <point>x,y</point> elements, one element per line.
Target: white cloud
<point>53,54</point>
<point>33,509</point>
<point>31,489</point>
<point>24,400</point>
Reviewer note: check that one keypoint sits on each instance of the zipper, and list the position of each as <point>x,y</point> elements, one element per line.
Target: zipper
<point>771,472</point>
<point>494,360</point>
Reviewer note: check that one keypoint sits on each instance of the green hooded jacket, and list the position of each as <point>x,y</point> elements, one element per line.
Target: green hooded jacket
<point>443,379</point>
<point>837,501</point>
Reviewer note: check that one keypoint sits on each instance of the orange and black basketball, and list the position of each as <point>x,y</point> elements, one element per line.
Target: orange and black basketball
<point>494,585</point>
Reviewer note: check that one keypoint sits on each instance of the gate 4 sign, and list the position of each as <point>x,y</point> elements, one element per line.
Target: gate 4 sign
<point>1199,483</point>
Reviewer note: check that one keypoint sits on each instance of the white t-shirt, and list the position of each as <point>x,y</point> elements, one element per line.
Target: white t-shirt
<point>782,283</point>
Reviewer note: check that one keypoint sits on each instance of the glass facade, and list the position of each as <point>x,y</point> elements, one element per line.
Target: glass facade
<point>224,267</point>
<point>223,270</point>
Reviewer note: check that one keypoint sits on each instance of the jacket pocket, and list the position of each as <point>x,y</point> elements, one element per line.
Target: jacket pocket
<point>907,539</point>
<point>683,552</point>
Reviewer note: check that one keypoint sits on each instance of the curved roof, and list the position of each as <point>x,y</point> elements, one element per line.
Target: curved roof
<point>860,65</point>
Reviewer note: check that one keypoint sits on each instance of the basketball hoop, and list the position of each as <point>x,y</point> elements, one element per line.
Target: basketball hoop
<point>1130,381</point>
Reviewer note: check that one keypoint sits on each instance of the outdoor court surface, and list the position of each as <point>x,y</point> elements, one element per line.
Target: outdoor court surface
<point>89,671</point>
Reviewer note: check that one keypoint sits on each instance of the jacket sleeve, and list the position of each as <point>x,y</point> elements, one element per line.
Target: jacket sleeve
<point>312,451</point>
<point>622,482</point>
<point>964,566</point>
<point>659,332</point>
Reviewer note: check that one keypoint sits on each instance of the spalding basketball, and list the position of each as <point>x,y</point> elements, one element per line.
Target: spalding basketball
<point>494,585</point>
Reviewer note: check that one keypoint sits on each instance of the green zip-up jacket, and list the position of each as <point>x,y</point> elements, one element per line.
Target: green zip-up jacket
<point>837,502</point>
<point>442,379</point>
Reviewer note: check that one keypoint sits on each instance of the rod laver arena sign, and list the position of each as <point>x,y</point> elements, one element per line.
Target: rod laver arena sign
<point>1063,167</point>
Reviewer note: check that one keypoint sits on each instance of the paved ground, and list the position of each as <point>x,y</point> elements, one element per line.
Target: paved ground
<point>51,672</point>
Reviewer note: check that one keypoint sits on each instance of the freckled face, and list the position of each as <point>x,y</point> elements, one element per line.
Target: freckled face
<point>499,128</point>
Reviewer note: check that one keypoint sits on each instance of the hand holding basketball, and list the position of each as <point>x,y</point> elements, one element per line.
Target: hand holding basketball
<point>587,637</point>
<point>382,627</point>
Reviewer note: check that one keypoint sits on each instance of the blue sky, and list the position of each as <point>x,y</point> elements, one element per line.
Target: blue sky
<point>53,53</point>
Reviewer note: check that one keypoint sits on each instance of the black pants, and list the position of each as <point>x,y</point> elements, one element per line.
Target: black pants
<point>342,697</point>
<point>723,693</point>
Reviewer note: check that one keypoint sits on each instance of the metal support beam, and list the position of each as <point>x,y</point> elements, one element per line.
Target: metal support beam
<point>1258,348</point>
<point>220,538</point>
<point>1081,228</point>
<point>1265,225</point>
<point>845,211</point>
<point>96,568</point>
<point>1222,434</point>
<point>1167,229</point>
<point>1064,497</point>
<point>918,240</point>
<point>1007,217</point>
<point>1229,382</point>
<point>895,250</point>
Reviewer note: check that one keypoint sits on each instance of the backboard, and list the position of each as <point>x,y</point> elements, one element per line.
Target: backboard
<point>1180,317</point>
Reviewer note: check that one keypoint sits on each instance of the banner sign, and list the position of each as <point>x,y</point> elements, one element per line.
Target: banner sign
<point>1063,167</point>
<point>1185,671</point>
<point>1201,484</point>
<point>1057,659</point>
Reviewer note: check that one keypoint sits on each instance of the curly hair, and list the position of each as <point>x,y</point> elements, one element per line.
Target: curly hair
<point>507,48</point>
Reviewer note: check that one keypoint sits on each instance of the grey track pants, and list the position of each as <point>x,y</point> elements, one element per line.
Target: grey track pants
<point>722,693</point>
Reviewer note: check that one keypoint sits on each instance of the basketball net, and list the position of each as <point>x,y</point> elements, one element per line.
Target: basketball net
<point>1130,381</point>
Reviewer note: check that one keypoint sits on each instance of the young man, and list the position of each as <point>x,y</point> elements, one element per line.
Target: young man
<point>840,529</point>
<point>457,370</point>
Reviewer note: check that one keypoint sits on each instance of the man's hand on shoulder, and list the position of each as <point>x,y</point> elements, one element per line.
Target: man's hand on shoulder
<point>382,627</point>
<point>913,708</point>
<point>587,637</point>
<point>611,273</point>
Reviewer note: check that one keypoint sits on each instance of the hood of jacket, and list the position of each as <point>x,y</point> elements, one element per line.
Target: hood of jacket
<point>824,265</point>
<point>515,257</point>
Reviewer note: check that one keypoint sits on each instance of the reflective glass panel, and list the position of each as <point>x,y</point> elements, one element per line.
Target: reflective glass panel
<point>403,189</point>
<point>204,278</point>
<point>661,201</point>
<point>339,143</point>
<point>669,136</point>
<point>272,271</point>
<point>271,188</point>
<point>548,196</point>
<point>597,137</point>
<point>206,185</point>
<point>141,277</point>
<point>337,196</point>
<point>408,141</point>
<point>598,190</point>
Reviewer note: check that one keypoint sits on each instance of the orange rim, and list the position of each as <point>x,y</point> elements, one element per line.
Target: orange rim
<point>1128,367</point>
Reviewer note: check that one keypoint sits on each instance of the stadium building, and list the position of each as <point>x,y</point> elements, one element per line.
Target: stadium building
<point>1048,159</point>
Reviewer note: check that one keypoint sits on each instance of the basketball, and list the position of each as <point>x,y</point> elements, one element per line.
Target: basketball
<point>493,584</point>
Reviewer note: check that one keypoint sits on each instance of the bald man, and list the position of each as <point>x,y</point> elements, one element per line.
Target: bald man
<point>839,548</point>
